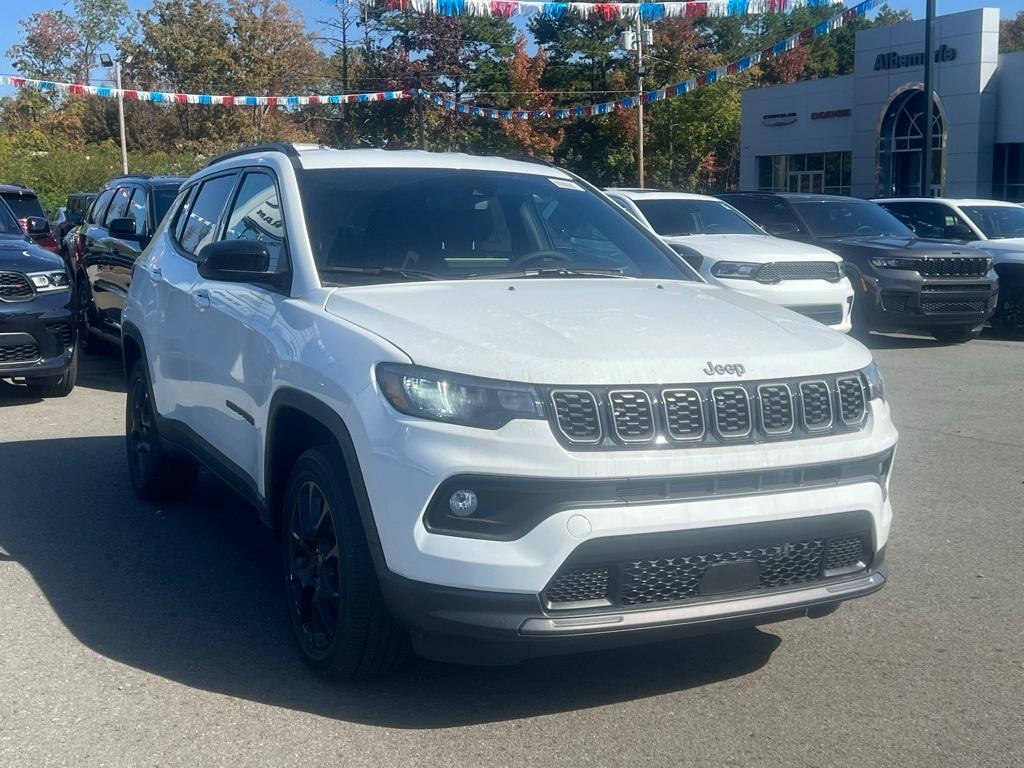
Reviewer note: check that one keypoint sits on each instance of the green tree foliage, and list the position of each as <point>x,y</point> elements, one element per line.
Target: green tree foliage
<point>265,47</point>
<point>1011,34</point>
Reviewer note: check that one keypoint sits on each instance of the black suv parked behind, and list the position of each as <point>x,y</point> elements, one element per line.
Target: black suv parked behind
<point>37,314</point>
<point>902,283</point>
<point>74,214</point>
<point>105,246</point>
<point>25,205</point>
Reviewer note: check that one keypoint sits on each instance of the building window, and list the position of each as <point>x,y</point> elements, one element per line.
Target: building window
<point>1008,173</point>
<point>827,172</point>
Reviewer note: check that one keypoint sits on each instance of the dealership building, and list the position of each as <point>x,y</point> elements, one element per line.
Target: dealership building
<point>862,134</point>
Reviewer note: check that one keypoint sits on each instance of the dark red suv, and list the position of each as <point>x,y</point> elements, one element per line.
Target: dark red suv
<point>25,205</point>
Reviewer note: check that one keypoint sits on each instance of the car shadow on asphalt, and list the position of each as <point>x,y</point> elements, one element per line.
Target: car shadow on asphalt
<point>101,371</point>
<point>191,592</point>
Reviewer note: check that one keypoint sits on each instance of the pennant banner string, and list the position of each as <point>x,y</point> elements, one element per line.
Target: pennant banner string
<point>670,91</point>
<point>648,11</point>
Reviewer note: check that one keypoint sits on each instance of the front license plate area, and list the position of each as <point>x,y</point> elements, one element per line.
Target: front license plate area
<point>732,576</point>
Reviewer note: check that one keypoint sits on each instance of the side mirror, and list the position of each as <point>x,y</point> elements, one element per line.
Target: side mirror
<point>236,261</point>
<point>782,229</point>
<point>37,225</point>
<point>123,229</point>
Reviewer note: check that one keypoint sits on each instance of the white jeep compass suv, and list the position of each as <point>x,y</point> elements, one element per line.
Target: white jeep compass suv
<point>489,412</point>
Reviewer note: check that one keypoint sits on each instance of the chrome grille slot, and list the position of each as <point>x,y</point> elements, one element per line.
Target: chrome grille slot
<point>851,400</point>
<point>731,407</point>
<point>632,415</point>
<point>775,403</point>
<point>816,405</point>
<point>577,415</point>
<point>684,414</point>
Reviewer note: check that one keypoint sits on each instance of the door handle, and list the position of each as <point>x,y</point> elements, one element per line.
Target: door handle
<point>201,298</point>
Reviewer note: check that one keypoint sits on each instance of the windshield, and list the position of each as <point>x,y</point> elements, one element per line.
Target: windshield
<point>845,218</point>
<point>672,217</point>
<point>371,225</point>
<point>996,221</point>
<point>8,225</point>
<point>162,199</point>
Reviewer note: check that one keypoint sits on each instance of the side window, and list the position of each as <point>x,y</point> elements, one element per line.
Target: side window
<point>180,212</point>
<point>137,210</point>
<point>118,206</point>
<point>100,206</point>
<point>204,214</point>
<point>256,215</point>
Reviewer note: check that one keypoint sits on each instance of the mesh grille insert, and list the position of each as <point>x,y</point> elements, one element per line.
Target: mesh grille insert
<point>577,415</point>
<point>958,266</point>
<point>684,414</point>
<point>844,553</point>
<point>776,405</point>
<point>576,586</point>
<point>933,306</point>
<point>19,353</point>
<point>807,270</point>
<point>732,411</point>
<point>632,417</point>
<point>817,405</point>
<point>851,400</point>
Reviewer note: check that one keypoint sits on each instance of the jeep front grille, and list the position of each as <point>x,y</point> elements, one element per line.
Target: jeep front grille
<point>932,306</point>
<point>672,577</point>
<point>711,414</point>
<point>954,266</point>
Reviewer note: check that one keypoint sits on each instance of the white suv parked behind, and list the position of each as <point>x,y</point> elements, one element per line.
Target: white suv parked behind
<point>730,250</point>
<point>489,411</point>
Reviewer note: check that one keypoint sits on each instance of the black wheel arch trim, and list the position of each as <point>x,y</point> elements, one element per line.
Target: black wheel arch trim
<point>325,415</point>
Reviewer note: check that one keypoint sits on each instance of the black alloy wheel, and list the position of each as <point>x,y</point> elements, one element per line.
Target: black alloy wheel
<point>314,570</point>
<point>1008,320</point>
<point>156,475</point>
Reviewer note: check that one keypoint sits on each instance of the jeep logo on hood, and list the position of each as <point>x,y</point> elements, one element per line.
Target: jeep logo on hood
<point>732,369</point>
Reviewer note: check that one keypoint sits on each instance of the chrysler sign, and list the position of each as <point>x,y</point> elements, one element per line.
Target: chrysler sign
<point>893,60</point>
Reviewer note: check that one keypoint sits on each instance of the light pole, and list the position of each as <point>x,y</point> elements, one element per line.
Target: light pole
<point>929,106</point>
<point>107,62</point>
<point>634,40</point>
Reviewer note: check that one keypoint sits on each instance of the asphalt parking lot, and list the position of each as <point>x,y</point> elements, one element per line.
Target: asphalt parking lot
<point>139,635</point>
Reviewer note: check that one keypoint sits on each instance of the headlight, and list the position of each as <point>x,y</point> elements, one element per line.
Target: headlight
<point>458,399</point>
<point>46,282</point>
<point>873,379</point>
<point>895,262</point>
<point>735,270</point>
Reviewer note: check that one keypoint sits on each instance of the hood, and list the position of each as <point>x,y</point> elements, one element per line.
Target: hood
<point>21,255</point>
<point>594,331</point>
<point>760,249</point>
<point>1003,250</point>
<point>899,245</point>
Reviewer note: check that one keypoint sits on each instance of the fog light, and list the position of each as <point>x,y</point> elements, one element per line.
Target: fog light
<point>462,503</point>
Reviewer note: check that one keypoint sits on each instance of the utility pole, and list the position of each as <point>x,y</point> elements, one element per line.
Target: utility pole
<point>106,62</point>
<point>419,109</point>
<point>120,118</point>
<point>640,98</point>
<point>929,105</point>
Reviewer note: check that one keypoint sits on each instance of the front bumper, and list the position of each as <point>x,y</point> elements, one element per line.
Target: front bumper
<point>472,627</point>
<point>42,331</point>
<point>829,303</point>
<point>895,300</point>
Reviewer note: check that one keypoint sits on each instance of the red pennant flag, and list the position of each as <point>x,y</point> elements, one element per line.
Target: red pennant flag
<point>228,101</point>
<point>131,95</point>
<point>181,98</point>
<point>314,99</point>
<point>78,89</point>
<point>18,82</point>
<point>271,101</point>
<point>607,11</point>
<point>696,9</point>
<point>777,6</point>
<point>504,8</point>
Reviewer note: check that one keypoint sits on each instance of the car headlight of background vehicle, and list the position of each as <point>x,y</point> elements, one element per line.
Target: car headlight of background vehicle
<point>457,399</point>
<point>895,262</point>
<point>873,380</point>
<point>735,270</point>
<point>45,282</point>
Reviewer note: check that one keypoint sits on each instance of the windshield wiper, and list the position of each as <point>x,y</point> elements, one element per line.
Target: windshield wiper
<point>408,274</point>
<point>551,272</point>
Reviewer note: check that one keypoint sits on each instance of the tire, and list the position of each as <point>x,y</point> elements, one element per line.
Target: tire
<point>957,334</point>
<point>87,342</point>
<point>156,475</point>
<point>56,386</point>
<point>335,605</point>
<point>1008,321</point>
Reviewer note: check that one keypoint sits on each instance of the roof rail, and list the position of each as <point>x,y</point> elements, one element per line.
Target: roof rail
<point>132,176</point>
<point>286,149</point>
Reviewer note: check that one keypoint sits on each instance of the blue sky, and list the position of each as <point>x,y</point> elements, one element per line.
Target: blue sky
<point>319,9</point>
